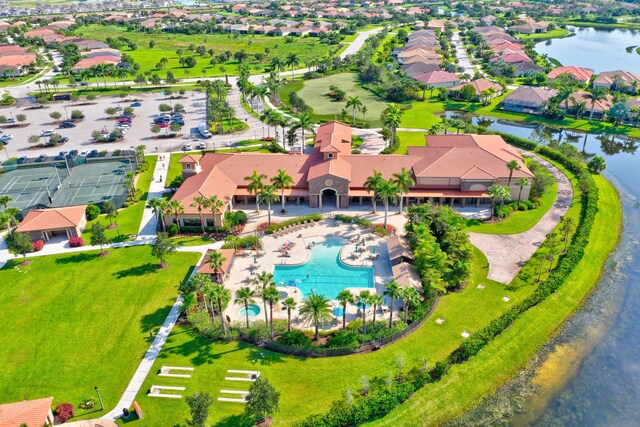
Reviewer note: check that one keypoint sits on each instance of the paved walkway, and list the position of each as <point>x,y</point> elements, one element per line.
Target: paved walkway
<point>461,54</point>
<point>149,223</point>
<point>507,253</point>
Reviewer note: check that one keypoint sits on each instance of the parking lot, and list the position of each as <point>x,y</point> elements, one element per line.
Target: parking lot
<point>96,119</point>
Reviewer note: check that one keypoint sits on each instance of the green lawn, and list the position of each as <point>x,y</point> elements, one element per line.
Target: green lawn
<point>424,114</point>
<point>314,92</point>
<point>166,45</point>
<point>467,384</point>
<point>74,321</point>
<point>558,33</point>
<point>128,218</point>
<point>324,378</point>
<point>192,240</point>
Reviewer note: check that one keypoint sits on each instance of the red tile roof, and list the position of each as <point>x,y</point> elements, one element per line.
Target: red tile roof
<point>581,74</point>
<point>27,412</point>
<point>227,259</point>
<point>52,219</point>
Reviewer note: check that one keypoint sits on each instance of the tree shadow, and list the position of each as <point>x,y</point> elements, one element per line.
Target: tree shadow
<point>139,270</point>
<point>198,348</point>
<point>154,320</point>
<point>236,421</point>
<point>261,357</point>
<point>79,257</point>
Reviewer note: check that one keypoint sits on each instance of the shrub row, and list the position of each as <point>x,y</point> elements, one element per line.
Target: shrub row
<point>293,221</point>
<point>383,402</point>
<point>251,242</point>
<point>353,220</point>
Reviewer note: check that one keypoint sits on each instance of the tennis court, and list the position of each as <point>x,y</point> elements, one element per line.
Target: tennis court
<point>32,186</point>
<point>53,186</point>
<point>94,183</point>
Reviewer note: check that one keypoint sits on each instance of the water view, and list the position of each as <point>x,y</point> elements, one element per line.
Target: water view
<point>604,387</point>
<point>596,48</point>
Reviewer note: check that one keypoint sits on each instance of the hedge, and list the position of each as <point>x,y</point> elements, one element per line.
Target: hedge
<point>297,220</point>
<point>383,402</point>
<point>353,220</point>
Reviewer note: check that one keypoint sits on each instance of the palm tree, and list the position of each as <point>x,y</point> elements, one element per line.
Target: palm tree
<point>255,185</point>
<point>316,308</point>
<point>345,297</point>
<point>215,261</point>
<point>596,94</point>
<point>512,165</point>
<point>304,123</point>
<point>263,281</point>
<point>292,61</point>
<point>364,111</point>
<point>289,304</point>
<point>355,103</point>
<point>221,296</point>
<point>277,64</point>
<point>372,184</point>
<point>215,205</point>
<point>271,295</point>
<point>394,292</point>
<point>391,118</point>
<point>284,122</point>
<point>269,116</point>
<point>496,191</point>
<point>364,298</point>
<point>410,297</point>
<point>376,301</point>
<point>403,181</point>
<point>158,206</point>
<point>388,191</point>
<point>282,181</point>
<point>5,200</point>
<point>267,195</point>
<point>200,203</point>
<point>521,183</point>
<point>176,208</point>
<point>245,296</point>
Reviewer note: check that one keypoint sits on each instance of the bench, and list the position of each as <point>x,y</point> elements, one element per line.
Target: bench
<point>165,371</point>
<point>156,391</point>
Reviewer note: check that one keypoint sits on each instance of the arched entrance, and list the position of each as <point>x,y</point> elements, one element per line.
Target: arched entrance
<point>329,198</point>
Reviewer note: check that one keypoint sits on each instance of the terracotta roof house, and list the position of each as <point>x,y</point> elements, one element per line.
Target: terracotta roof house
<point>527,68</point>
<point>86,63</point>
<point>600,107</point>
<point>617,80</point>
<point>417,68</point>
<point>419,58</point>
<point>528,99</point>
<point>583,75</point>
<point>510,58</point>
<point>42,224</point>
<point>438,78</point>
<point>479,86</point>
<point>219,274</point>
<point>449,169</point>
<point>28,412</point>
<point>531,27</point>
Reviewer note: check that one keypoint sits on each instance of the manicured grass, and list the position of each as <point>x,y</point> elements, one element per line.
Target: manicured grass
<point>4,82</point>
<point>314,92</point>
<point>192,241</point>
<point>424,114</point>
<point>467,384</point>
<point>558,33</point>
<point>74,321</point>
<point>128,218</point>
<point>325,379</point>
<point>167,43</point>
<point>175,168</point>
<point>410,139</point>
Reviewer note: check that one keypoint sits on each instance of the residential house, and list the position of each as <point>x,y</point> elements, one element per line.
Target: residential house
<point>27,413</point>
<point>618,80</point>
<point>438,78</point>
<point>43,224</point>
<point>481,87</point>
<point>528,99</point>
<point>580,74</point>
<point>599,107</point>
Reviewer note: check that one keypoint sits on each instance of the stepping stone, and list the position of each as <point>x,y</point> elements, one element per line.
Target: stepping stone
<point>439,320</point>
<point>465,334</point>
<point>506,299</point>
<point>481,287</point>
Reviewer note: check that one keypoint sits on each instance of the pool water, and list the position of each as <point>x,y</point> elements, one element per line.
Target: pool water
<point>253,310</point>
<point>324,274</point>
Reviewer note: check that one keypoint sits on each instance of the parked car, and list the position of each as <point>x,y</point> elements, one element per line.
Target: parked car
<point>187,147</point>
<point>11,120</point>
<point>72,154</point>
<point>84,84</point>
<point>177,116</point>
<point>48,132</point>
<point>201,146</point>
<point>41,158</point>
<point>62,140</point>
<point>61,155</point>
<point>22,160</point>
<point>178,122</point>
<point>1,130</point>
<point>93,153</point>
<point>5,139</point>
<point>118,108</point>
<point>163,125</point>
<point>124,120</point>
<point>65,125</point>
<point>136,104</point>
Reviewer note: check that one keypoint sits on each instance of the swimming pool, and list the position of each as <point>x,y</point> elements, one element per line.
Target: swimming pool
<point>324,274</point>
<point>253,310</point>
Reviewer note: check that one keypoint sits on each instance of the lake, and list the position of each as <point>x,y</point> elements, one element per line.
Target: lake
<point>602,387</point>
<point>595,48</point>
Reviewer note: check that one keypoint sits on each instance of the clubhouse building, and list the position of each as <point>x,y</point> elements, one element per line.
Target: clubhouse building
<point>450,169</point>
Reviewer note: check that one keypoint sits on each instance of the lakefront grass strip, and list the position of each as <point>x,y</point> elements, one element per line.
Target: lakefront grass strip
<point>74,321</point>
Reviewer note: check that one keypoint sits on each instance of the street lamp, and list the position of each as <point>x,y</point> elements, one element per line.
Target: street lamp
<point>100,397</point>
<point>66,113</point>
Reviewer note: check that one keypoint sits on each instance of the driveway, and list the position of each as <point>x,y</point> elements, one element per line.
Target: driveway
<point>508,253</point>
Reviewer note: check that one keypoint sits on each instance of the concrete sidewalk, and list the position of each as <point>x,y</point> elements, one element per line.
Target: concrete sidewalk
<point>149,222</point>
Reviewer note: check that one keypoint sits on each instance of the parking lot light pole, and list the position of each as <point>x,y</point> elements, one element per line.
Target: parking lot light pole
<point>100,397</point>
<point>66,113</point>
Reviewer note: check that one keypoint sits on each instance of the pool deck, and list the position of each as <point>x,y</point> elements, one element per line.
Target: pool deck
<point>247,264</point>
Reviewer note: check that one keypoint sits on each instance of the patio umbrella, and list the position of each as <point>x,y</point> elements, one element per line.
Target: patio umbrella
<point>356,248</point>
<point>374,249</point>
<point>294,282</point>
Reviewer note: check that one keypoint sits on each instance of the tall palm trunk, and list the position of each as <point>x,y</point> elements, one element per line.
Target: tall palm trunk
<point>317,334</point>
<point>288,320</point>
<point>282,199</point>
<point>271,322</point>
<point>386,211</point>
<point>401,200</point>
<point>246,312</point>
<point>224,327</point>
<point>201,222</point>
<point>364,319</point>
<point>391,314</point>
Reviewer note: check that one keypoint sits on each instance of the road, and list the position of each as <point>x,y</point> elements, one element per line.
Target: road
<point>461,54</point>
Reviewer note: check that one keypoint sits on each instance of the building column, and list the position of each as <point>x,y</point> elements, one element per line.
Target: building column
<point>478,202</point>
<point>320,200</point>
<point>360,200</point>
<point>246,200</point>
<point>463,201</point>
